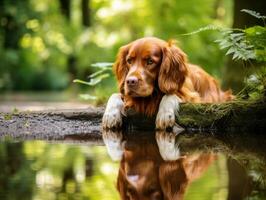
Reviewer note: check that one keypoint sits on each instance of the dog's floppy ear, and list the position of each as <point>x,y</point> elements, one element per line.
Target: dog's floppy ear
<point>173,69</point>
<point>121,184</point>
<point>120,67</point>
<point>173,179</point>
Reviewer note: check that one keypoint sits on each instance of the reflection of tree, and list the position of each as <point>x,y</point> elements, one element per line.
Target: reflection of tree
<point>246,163</point>
<point>88,167</point>
<point>69,176</point>
<point>16,176</point>
<point>239,182</point>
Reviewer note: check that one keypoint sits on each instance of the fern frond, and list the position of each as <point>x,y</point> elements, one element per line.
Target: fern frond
<point>254,13</point>
<point>206,28</point>
<point>102,64</point>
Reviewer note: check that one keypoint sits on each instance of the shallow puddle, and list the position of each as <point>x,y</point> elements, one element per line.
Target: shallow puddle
<point>139,165</point>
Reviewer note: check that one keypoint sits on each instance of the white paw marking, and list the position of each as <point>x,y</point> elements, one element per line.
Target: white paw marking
<point>113,113</point>
<point>113,143</point>
<point>112,119</point>
<point>165,119</point>
<point>166,142</point>
<point>168,108</point>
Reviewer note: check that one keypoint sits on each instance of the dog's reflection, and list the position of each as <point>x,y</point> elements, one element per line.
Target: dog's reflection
<point>152,166</point>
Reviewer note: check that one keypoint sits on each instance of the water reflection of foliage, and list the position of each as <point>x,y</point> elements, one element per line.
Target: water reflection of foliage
<point>57,171</point>
<point>245,151</point>
<point>16,176</point>
<point>213,183</point>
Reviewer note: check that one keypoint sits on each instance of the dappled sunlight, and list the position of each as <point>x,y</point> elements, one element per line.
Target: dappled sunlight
<point>36,43</point>
<point>45,179</point>
<point>116,6</point>
<point>58,39</point>
<point>33,24</point>
<point>104,39</point>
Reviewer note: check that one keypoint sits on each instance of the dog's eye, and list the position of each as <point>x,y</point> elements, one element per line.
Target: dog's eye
<point>149,61</point>
<point>129,60</point>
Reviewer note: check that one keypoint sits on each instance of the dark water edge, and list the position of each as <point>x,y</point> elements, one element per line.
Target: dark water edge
<point>79,167</point>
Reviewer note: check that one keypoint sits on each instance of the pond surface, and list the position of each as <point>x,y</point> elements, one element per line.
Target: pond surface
<point>161,165</point>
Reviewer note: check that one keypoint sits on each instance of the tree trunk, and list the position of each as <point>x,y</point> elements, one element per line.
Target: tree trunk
<point>243,20</point>
<point>65,8</point>
<point>85,13</point>
<point>238,184</point>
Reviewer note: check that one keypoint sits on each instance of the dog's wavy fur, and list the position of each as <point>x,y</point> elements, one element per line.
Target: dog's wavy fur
<point>166,180</point>
<point>175,75</point>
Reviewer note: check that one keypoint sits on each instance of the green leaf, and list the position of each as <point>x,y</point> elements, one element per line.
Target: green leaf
<point>93,81</point>
<point>87,97</point>
<point>206,28</point>
<point>98,79</point>
<point>223,43</point>
<point>102,64</point>
<point>253,13</point>
<point>231,50</point>
<point>81,82</point>
<point>236,35</point>
<point>255,30</point>
<point>98,72</point>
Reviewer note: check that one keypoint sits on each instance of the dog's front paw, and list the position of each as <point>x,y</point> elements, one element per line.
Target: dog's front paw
<point>165,119</point>
<point>168,108</point>
<point>112,119</point>
<point>113,143</point>
<point>167,147</point>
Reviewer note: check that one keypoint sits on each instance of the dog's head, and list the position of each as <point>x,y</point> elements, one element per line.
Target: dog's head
<point>143,174</point>
<point>148,64</point>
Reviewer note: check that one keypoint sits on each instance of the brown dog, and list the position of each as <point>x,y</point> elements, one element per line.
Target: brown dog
<point>149,172</point>
<point>154,76</point>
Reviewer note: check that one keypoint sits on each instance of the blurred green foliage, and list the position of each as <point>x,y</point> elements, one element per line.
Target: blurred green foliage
<point>255,86</point>
<point>39,170</point>
<point>43,48</point>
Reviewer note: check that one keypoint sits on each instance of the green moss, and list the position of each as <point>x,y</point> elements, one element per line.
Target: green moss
<point>7,116</point>
<point>221,115</point>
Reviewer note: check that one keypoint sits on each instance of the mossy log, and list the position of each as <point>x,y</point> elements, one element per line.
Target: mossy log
<point>223,117</point>
<point>60,124</point>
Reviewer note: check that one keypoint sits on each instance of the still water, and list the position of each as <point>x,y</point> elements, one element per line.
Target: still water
<point>140,165</point>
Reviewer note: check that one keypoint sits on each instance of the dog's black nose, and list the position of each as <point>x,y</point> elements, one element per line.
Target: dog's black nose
<point>132,81</point>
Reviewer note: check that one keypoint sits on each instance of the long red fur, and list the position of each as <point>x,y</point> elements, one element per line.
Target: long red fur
<point>176,76</point>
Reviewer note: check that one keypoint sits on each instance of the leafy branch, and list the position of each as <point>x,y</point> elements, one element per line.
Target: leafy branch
<point>95,78</point>
<point>254,14</point>
<point>242,44</point>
